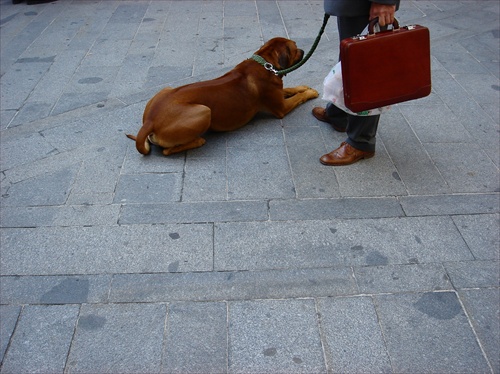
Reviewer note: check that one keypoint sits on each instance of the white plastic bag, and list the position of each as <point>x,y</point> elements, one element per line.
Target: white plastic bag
<point>333,91</point>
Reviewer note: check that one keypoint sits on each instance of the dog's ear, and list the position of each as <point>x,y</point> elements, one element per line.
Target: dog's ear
<point>284,59</point>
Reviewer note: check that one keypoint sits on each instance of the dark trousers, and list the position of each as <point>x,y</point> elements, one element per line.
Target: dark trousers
<point>361,131</point>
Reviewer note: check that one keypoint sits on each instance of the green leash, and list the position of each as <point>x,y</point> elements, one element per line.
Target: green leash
<point>270,67</point>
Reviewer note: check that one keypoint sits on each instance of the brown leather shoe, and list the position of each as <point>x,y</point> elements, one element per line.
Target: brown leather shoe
<point>344,155</point>
<point>320,114</point>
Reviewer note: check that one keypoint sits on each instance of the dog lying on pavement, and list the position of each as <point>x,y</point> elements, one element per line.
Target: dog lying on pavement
<point>176,118</point>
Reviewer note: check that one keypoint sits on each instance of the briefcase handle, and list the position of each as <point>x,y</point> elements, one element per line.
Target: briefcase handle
<point>373,22</point>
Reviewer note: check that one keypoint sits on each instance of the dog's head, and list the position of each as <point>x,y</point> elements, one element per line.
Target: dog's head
<point>281,52</point>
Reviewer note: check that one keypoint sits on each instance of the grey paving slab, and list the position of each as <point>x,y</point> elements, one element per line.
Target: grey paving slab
<point>89,85</point>
<point>205,179</point>
<point>54,289</point>
<point>429,332</point>
<point>482,127</point>
<point>90,198</point>
<point>493,111</point>
<point>155,162</point>
<point>242,35</point>
<point>484,14</point>
<point>113,31</point>
<point>72,215</point>
<point>164,74</point>
<point>211,23</point>
<point>307,209</point>
<point>270,20</point>
<point>207,353</point>
<point>233,8</point>
<point>178,43</point>
<point>94,25</point>
<point>19,81</point>
<point>154,18</point>
<point>482,47</point>
<point>353,341</point>
<point>465,167</point>
<point>128,13</point>
<point>436,124</point>
<point>13,49</point>
<point>481,234</point>
<point>460,100</point>
<point>386,182</point>
<point>402,278</point>
<point>458,62</point>
<point>474,274</point>
<point>482,87</point>
<point>246,285</point>
<point>210,54</point>
<point>41,340</point>
<point>10,314</point>
<point>53,83</point>
<point>6,117</point>
<point>32,110</point>
<point>50,42</point>
<point>23,150</point>
<point>264,130</point>
<point>18,32</point>
<point>271,336</point>
<point>107,341</point>
<point>311,179</point>
<point>450,204</point>
<point>414,166</point>
<point>482,308</point>
<point>299,20</point>
<point>143,249</point>
<point>132,73</point>
<point>307,244</point>
<point>106,54</point>
<point>148,188</point>
<point>99,174</point>
<point>302,116</point>
<point>253,236</point>
<point>200,212</point>
<point>89,112</point>
<point>259,172</point>
<point>110,125</point>
<point>51,189</point>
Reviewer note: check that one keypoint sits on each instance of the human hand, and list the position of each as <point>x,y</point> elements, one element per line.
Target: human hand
<point>385,13</point>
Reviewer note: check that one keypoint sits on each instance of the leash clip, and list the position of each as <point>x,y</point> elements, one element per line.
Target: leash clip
<point>270,67</point>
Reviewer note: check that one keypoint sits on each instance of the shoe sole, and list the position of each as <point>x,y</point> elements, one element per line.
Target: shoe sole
<point>349,163</point>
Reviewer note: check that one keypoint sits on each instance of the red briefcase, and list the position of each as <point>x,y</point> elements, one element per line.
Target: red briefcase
<point>384,68</point>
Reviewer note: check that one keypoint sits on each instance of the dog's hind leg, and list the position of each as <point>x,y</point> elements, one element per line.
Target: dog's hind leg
<point>184,131</point>
<point>198,142</point>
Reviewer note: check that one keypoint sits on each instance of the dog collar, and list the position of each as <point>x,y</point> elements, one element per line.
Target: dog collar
<point>263,62</point>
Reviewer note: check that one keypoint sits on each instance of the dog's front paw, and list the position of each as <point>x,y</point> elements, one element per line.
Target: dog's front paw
<point>302,88</point>
<point>311,93</point>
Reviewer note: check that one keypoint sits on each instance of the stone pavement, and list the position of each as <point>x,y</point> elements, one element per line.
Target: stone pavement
<point>246,255</point>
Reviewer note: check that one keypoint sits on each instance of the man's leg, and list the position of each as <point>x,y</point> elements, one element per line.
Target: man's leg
<point>361,132</point>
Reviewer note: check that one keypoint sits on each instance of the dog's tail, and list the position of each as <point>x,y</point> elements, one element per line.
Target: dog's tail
<point>141,140</point>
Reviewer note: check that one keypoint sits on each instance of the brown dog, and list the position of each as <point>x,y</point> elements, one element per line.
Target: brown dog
<point>176,118</point>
